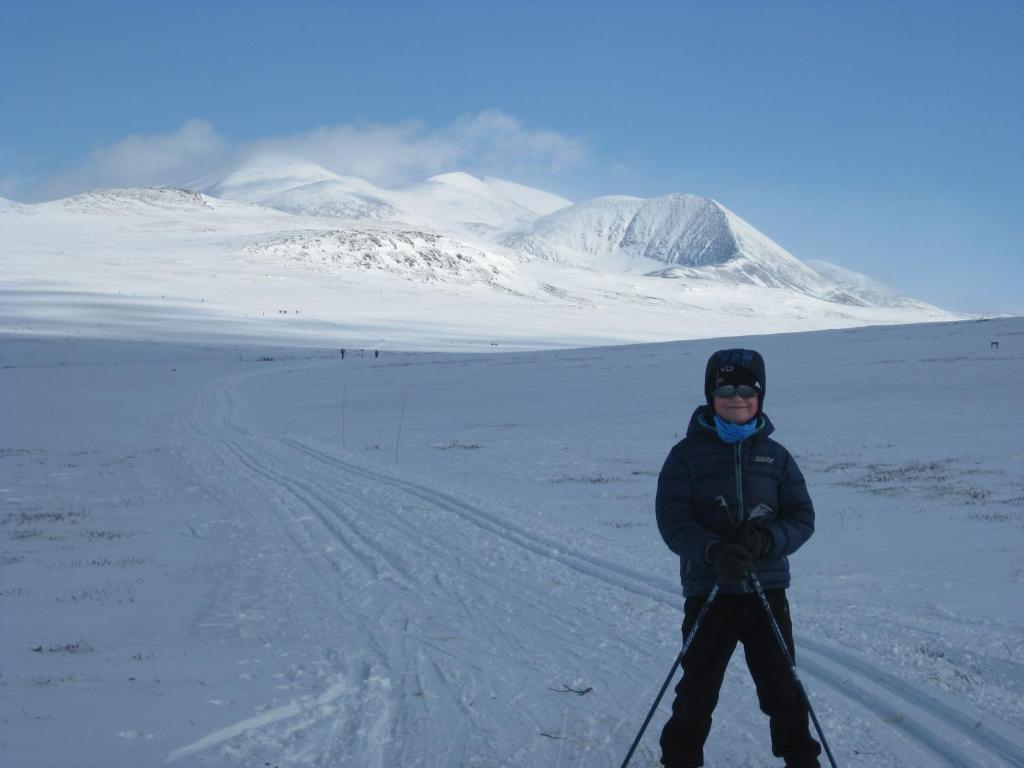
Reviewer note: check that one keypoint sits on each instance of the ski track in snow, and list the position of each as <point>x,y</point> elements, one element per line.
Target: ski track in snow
<point>404,567</point>
<point>415,561</point>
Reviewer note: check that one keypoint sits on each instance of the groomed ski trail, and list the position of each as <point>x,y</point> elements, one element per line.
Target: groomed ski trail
<point>407,579</point>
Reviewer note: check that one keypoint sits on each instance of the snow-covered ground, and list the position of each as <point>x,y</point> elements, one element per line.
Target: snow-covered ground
<point>227,555</point>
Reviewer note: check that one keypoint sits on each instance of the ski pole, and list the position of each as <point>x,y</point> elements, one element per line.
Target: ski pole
<point>679,659</point>
<point>792,664</point>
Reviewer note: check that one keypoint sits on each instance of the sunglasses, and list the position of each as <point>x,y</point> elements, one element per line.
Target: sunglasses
<point>731,390</point>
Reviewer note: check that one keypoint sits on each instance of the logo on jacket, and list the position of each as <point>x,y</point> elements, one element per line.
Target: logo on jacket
<point>764,459</point>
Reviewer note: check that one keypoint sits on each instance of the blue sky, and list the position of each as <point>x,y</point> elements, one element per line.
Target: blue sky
<point>885,137</point>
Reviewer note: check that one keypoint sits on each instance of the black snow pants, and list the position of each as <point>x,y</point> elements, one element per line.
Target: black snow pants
<point>732,619</point>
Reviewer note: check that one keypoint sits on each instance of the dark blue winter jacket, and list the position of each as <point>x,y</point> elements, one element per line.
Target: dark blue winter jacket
<point>708,487</point>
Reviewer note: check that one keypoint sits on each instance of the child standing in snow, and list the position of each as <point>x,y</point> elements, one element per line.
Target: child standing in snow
<point>731,500</point>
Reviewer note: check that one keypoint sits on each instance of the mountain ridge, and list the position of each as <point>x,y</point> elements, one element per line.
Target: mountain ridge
<point>350,253</point>
<point>678,236</point>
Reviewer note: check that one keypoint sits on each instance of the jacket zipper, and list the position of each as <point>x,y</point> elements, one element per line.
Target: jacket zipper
<point>740,509</point>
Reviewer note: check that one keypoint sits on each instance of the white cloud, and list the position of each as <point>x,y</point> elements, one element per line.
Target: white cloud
<point>500,142</point>
<point>382,153</point>
<point>138,160</point>
<point>487,143</point>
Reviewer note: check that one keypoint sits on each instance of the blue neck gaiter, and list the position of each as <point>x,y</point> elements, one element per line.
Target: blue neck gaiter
<point>734,433</point>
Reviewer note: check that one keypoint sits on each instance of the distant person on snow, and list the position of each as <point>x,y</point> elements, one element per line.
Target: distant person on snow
<point>731,500</point>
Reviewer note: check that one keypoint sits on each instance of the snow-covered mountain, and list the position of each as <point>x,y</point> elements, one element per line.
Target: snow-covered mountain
<point>495,262</point>
<point>448,202</point>
<point>674,236</point>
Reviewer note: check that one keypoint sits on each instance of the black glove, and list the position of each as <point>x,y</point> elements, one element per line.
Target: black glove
<point>731,561</point>
<point>753,538</point>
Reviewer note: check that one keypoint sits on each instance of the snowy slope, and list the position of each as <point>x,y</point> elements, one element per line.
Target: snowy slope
<point>765,261</point>
<point>257,555</point>
<point>459,198</point>
<point>262,177</point>
<point>156,210</point>
<point>535,200</point>
<point>680,229</point>
<point>412,255</point>
<point>444,202</point>
<point>699,239</point>
<point>862,287</point>
<point>343,198</point>
<point>167,201</point>
<point>576,234</point>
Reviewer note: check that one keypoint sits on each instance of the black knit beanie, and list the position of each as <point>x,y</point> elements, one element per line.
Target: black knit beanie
<point>735,366</point>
